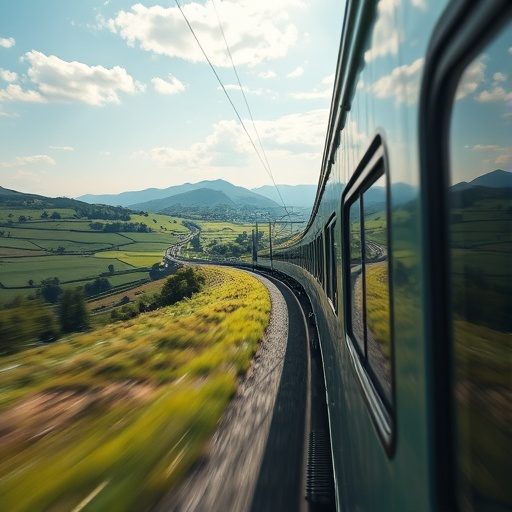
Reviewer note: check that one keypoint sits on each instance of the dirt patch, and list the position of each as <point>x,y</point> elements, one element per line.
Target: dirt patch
<point>43,413</point>
<point>6,252</point>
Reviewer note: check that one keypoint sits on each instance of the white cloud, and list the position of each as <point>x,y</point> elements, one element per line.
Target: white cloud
<point>62,148</point>
<point>8,76</point>
<point>296,72</point>
<point>191,158</point>
<point>495,94</point>
<point>420,4</point>
<point>486,147</point>
<point>499,77</point>
<point>266,75</point>
<point>138,154</point>
<point>16,93</point>
<point>473,76</point>
<point>228,145</point>
<point>386,37</point>
<point>7,42</point>
<point>236,87</point>
<point>256,31</point>
<point>402,84</point>
<point>21,161</point>
<point>505,159</point>
<point>329,80</point>
<point>503,153</point>
<point>323,92</point>
<point>172,86</point>
<point>295,132</point>
<point>63,81</point>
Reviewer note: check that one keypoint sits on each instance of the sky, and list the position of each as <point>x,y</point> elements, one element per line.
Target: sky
<point>106,96</point>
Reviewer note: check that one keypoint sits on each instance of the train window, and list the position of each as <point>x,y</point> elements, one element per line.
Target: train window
<point>479,200</point>
<point>368,296</point>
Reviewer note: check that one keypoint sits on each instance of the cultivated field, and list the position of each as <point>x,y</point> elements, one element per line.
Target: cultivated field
<point>34,248</point>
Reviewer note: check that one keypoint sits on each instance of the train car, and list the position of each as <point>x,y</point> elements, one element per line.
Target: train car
<point>407,257</point>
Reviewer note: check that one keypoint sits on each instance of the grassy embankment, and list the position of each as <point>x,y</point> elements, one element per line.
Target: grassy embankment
<point>118,415</point>
<point>68,248</point>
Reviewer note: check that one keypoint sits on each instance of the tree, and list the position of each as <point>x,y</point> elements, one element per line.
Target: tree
<point>44,215</point>
<point>183,284</point>
<point>22,218</point>
<point>73,313</point>
<point>99,285</point>
<point>50,289</point>
<point>55,215</point>
<point>111,268</point>
<point>23,321</point>
<point>196,243</point>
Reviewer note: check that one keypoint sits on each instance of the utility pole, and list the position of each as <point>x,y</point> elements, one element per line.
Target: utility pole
<point>253,250</point>
<point>256,245</point>
<point>270,243</point>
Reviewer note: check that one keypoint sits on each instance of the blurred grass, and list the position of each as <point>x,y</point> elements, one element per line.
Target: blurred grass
<point>186,358</point>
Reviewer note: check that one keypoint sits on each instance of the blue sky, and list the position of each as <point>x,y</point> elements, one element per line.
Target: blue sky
<point>107,96</point>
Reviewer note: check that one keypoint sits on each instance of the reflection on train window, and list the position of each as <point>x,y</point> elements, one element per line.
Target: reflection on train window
<point>369,283</point>
<point>480,227</point>
<point>356,282</point>
<point>331,282</point>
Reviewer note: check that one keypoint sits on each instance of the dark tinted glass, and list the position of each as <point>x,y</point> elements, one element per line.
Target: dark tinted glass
<point>480,208</point>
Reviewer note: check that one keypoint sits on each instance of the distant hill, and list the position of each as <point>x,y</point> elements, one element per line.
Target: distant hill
<point>203,197</point>
<point>400,193</point>
<point>126,198</point>
<point>293,195</point>
<point>14,199</point>
<point>138,199</point>
<point>494,179</point>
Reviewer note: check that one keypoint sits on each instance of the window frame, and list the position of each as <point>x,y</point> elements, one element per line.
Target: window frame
<point>383,413</point>
<point>331,268</point>
<point>463,31</point>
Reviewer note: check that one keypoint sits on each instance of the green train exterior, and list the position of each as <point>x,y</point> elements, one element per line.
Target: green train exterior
<point>407,257</point>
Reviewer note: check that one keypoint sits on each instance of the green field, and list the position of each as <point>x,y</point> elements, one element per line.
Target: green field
<point>68,248</point>
<point>134,258</point>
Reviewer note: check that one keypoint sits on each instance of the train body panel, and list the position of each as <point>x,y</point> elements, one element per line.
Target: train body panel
<point>366,261</point>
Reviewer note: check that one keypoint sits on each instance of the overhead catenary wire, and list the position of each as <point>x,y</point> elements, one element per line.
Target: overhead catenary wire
<point>240,84</point>
<point>265,163</point>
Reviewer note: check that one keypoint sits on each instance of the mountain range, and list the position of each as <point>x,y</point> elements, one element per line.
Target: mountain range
<point>160,199</point>
<point>494,179</point>
<point>226,199</point>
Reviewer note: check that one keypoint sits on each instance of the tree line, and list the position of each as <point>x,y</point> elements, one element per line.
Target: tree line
<point>117,227</point>
<point>56,311</point>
